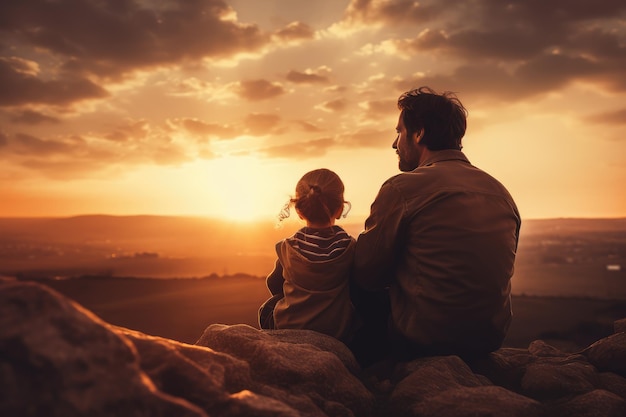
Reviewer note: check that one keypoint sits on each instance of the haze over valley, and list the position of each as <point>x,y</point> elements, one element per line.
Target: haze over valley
<point>556,257</point>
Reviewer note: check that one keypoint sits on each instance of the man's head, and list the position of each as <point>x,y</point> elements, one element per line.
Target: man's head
<point>438,119</point>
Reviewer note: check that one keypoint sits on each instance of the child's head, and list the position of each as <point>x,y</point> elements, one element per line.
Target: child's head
<point>319,197</point>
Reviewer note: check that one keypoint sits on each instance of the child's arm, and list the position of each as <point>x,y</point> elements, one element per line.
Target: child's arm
<point>275,279</point>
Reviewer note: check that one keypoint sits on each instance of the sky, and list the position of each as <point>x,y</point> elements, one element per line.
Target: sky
<point>217,108</point>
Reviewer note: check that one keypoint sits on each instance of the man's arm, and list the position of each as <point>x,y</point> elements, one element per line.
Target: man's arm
<point>376,245</point>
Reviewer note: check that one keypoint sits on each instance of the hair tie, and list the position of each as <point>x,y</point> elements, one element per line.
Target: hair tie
<point>314,189</point>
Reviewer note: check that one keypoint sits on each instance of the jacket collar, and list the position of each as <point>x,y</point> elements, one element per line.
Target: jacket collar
<point>445,155</point>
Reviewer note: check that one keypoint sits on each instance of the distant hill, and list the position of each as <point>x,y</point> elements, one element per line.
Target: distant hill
<point>555,257</point>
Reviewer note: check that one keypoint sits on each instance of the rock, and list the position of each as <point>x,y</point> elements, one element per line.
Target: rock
<point>613,383</point>
<point>541,348</point>
<point>619,326</point>
<point>58,359</point>
<point>321,341</point>
<point>474,401</point>
<point>549,379</point>
<point>291,370</point>
<point>597,403</point>
<point>428,376</point>
<point>609,354</point>
<point>505,367</point>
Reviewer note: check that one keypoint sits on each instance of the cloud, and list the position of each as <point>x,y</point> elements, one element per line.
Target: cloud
<point>375,108</point>
<point>91,155</point>
<point>295,31</point>
<point>362,138</point>
<point>320,76</point>
<point>132,130</point>
<point>333,105</point>
<point>369,138</point>
<point>500,83</point>
<point>21,85</point>
<point>260,124</point>
<point>541,46</point>
<point>31,117</point>
<point>32,145</point>
<point>308,127</point>
<point>256,90</point>
<point>201,129</point>
<point>617,117</point>
<point>300,150</point>
<point>110,39</point>
<point>368,12</point>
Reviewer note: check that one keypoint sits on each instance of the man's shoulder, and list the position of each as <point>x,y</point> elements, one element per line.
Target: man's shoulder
<point>409,178</point>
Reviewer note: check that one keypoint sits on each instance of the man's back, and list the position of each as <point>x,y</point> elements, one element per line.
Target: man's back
<point>450,232</point>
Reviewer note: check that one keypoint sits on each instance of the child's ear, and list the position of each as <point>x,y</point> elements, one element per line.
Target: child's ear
<point>339,212</point>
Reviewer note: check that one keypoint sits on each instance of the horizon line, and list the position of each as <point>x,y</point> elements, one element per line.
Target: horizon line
<point>261,219</point>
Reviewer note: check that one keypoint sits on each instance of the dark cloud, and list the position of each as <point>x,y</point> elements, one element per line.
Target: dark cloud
<point>394,12</point>
<point>20,85</point>
<point>31,117</point>
<point>68,156</point>
<point>112,38</point>
<point>255,90</point>
<point>306,77</point>
<point>295,31</point>
<point>500,83</point>
<point>617,117</point>
<point>553,71</point>
<point>32,145</point>
<point>545,45</point>
<point>260,124</point>
<point>300,150</point>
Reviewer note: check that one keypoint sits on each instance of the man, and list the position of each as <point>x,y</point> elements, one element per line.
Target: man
<point>440,240</point>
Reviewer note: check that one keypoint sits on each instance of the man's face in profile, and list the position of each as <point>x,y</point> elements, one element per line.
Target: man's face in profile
<point>406,147</point>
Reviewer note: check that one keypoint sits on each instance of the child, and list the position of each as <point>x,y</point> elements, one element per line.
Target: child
<point>310,282</point>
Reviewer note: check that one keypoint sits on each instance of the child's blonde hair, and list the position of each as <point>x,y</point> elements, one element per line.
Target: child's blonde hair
<point>319,196</point>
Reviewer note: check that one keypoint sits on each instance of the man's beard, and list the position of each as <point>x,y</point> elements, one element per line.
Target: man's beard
<point>409,165</point>
<point>405,166</point>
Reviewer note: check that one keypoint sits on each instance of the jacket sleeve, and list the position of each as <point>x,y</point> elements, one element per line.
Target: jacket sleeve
<point>275,279</point>
<point>376,246</point>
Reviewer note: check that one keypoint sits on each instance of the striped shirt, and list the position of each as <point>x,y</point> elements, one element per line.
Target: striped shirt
<point>320,244</point>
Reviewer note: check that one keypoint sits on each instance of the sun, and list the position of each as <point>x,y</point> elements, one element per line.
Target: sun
<point>243,189</point>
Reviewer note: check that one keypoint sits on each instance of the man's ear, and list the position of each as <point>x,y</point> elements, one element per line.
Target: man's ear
<point>417,136</point>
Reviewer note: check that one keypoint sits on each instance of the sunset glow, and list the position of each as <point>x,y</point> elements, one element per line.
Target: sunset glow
<point>216,108</point>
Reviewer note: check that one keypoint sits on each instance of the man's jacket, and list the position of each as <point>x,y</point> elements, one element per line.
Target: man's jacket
<point>443,239</point>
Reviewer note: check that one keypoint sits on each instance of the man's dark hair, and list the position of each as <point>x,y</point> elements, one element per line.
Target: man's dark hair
<point>442,117</point>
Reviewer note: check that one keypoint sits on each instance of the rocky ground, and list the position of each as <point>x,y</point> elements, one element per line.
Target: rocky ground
<point>59,359</point>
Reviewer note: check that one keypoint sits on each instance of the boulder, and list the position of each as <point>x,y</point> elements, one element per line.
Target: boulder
<point>58,359</point>
<point>609,354</point>
<point>288,369</point>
